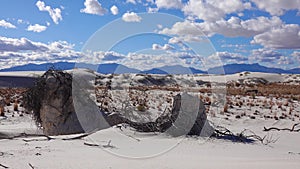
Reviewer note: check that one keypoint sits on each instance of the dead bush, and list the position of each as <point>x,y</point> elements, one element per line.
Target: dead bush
<point>16,106</point>
<point>2,111</point>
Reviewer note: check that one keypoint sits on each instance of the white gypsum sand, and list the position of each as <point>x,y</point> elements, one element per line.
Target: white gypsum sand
<point>115,148</point>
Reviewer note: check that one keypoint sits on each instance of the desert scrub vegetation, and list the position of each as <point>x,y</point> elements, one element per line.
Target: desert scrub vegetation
<point>2,110</point>
<point>279,90</point>
<point>11,97</point>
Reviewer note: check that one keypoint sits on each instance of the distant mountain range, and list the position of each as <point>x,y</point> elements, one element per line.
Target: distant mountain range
<point>177,69</point>
<point>236,68</point>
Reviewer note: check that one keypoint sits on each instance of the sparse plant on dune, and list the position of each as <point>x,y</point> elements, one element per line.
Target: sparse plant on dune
<point>16,106</point>
<point>2,110</point>
<point>7,101</point>
<point>225,109</point>
<point>141,108</point>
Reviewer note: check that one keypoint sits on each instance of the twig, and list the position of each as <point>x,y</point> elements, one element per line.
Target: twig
<point>97,145</point>
<point>264,140</point>
<point>27,140</point>
<point>78,137</point>
<point>222,132</point>
<point>23,135</point>
<point>1,165</point>
<point>119,127</point>
<point>31,166</point>
<point>90,144</point>
<point>108,145</point>
<point>133,137</point>
<point>284,129</point>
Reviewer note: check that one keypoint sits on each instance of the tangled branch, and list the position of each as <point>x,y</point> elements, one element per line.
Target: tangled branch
<point>224,133</point>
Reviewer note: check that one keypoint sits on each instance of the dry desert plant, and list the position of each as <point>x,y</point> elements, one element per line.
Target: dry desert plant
<point>2,111</point>
<point>16,106</point>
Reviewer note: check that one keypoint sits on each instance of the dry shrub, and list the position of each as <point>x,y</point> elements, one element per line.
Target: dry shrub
<point>291,110</point>
<point>7,101</point>
<point>272,89</point>
<point>279,105</point>
<point>141,108</point>
<point>225,110</point>
<point>207,100</point>
<point>251,104</point>
<point>201,97</point>
<point>2,111</point>
<point>16,106</point>
<point>240,103</point>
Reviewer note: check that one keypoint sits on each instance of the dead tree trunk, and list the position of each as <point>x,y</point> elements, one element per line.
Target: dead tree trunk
<point>187,117</point>
<point>51,102</point>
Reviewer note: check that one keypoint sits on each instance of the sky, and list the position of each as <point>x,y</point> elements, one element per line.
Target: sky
<point>151,33</point>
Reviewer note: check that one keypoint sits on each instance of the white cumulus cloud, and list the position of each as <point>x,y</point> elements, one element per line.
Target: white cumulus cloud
<point>182,28</point>
<point>269,56</point>
<point>284,37</point>
<point>131,1</point>
<point>164,47</point>
<point>168,4</point>
<point>296,56</point>
<point>277,7</point>
<point>93,7</point>
<point>233,27</point>
<point>114,10</point>
<point>152,10</point>
<point>229,57</point>
<point>22,44</point>
<point>6,24</point>
<point>213,10</point>
<point>131,17</point>
<point>186,38</point>
<point>22,51</point>
<point>55,13</point>
<point>36,28</point>
<point>108,56</point>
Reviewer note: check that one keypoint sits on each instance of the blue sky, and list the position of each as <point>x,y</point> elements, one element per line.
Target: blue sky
<point>151,33</point>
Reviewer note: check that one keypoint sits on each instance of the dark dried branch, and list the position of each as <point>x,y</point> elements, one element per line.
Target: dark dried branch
<point>283,129</point>
<point>224,133</point>
<point>267,139</point>
<point>108,145</point>
<point>47,138</point>
<point>78,137</point>
<point>31,166</point>
<point>91,144</point>
<point>3,166</point>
